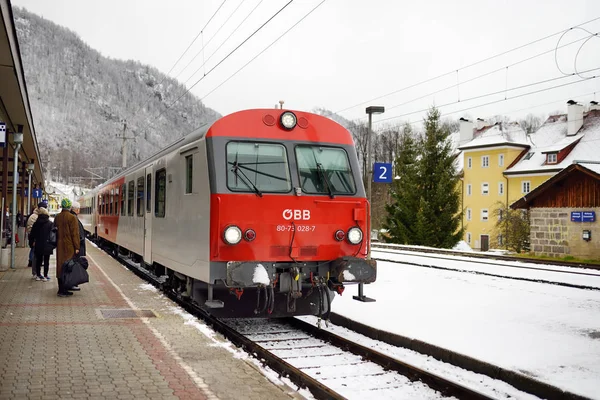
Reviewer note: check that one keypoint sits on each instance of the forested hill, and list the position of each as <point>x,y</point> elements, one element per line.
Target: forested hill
<point>80,98</point>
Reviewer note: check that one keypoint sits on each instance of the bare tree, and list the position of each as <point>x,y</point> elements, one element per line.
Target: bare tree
<point>531,123</point>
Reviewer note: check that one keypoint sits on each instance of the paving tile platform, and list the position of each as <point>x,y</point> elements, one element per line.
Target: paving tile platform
<point>118,338</point>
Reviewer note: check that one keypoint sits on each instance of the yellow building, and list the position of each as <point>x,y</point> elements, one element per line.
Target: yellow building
<point>502,164</point>
<point>488,151</point>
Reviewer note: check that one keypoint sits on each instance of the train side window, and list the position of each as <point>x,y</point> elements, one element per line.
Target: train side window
<point>123,195</point>
<point>148,192</point>
<point>130,196</point>
<point>111,201</point>
<point>99,204</point>
<point>160,198</point>
<point>117,200</point>
<point>189,169</point>
<point>140,196</point>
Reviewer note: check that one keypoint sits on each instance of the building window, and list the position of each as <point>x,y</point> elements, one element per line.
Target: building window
<point>525,187</point>
<point>500,243</point>
<point>189,168</point>
<point>500,214</point>
<point>468,214</point>
<point>130,196</point>
<point>485,161</point>
<point>140,196</point>
<point>551,158</point>
<point>469,162</point>
<point>484,214</point>
<point>485,188</point>
<point>469,237</point>
<point>500,187</point>
<point>529,155</point>
<point>501,160</point>
<point>469,189</point>
<point>160,193</point>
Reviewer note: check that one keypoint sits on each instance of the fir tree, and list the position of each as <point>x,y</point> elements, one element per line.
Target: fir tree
<point>439,213</point>
<point>402,211</point>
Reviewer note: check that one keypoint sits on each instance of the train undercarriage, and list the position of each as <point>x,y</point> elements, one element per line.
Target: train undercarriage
<point>257,290</point>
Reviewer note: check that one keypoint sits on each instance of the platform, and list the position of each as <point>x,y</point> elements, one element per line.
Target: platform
<point>117,338</point>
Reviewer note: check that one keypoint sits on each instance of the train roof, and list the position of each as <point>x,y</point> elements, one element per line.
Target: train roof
<point>260,129</point>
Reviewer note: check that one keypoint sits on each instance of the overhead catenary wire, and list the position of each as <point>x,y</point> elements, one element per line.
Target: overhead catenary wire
<point>181,56</point>
<point>228,55</point>
<point>500,92</point>
<point>488,103</point>
<point>224,41</point>
<point>465,67</point>
<point>479,77</point>
<point>265,49</point>
<point>204,45</point>
<point>592,35</point>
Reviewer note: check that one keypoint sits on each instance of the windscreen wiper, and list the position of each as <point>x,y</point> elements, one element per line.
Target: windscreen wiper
<point>240,174</point>
<point>323,175</point>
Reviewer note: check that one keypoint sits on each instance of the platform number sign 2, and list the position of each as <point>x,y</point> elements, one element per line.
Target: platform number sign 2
<point>382,172</point>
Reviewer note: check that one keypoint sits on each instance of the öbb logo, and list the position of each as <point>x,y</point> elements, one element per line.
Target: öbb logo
<point>296,215</point>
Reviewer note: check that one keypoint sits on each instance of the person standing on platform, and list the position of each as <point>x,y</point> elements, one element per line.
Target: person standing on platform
<point>30,221</point>
<point>38,240</point>
<point>75,208</point>
<point>67,245</point>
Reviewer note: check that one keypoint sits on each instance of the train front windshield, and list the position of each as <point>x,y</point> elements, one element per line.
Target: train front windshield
<point>264,168</point>
<point>260,167</point>
<point>324,170</point>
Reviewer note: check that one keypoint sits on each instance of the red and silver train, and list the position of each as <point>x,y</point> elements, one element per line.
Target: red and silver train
<point>261,214</point>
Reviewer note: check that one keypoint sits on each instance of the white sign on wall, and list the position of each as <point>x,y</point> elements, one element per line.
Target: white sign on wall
<point>2,132</point>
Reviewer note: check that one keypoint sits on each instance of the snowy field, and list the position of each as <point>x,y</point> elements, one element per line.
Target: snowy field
<point>551,273</point>
<point>548,332</point>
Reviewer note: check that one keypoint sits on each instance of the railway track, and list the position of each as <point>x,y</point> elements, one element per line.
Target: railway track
<point>424,250</point>
<point>330,366</point>
<point>444,256</point>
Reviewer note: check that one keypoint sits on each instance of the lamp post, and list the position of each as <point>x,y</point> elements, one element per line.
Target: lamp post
<point>370,111</point>
<point>30,168</point>
<point>17,141</point>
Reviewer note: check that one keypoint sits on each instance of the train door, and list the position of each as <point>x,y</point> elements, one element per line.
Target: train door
<point>148,218</point>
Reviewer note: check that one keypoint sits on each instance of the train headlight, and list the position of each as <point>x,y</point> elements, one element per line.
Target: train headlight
<point>288,120</point>
<point>355,235</point>
<point>232,235</point>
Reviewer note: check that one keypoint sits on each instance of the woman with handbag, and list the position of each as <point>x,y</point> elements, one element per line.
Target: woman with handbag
<point>40,241</point>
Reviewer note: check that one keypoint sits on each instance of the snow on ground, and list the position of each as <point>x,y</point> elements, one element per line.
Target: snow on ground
<point>517,269</point>
<point>548,332</point>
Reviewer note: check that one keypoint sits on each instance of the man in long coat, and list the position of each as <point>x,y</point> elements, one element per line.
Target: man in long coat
<point>67,241</point>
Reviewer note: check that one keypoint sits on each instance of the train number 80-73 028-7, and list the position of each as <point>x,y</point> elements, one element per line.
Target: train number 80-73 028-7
<point>298,228</point>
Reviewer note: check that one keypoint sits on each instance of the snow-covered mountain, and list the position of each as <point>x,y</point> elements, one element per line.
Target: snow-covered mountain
<point>80,101</point>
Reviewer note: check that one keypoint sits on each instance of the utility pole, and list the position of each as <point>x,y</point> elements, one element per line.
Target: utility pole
<point>124,145</point>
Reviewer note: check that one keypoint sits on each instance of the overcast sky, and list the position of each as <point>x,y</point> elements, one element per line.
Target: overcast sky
<point>351,51</point>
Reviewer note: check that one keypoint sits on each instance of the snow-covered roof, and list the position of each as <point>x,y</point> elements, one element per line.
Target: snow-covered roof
<point>592,166</point>
<point>498,134</point>
<point>552,137</point>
